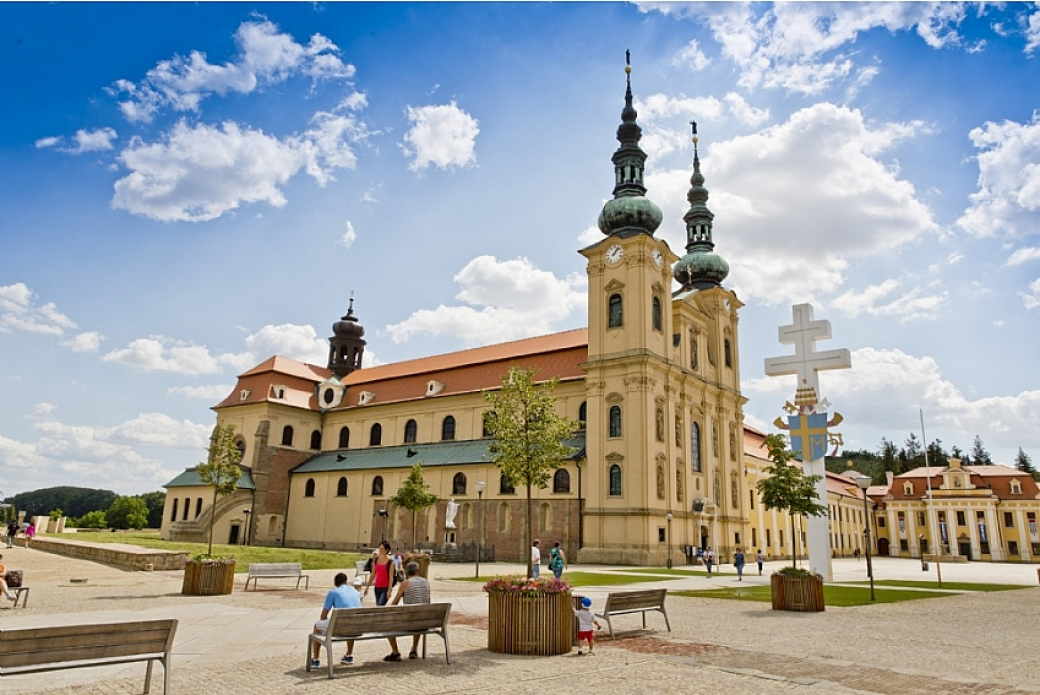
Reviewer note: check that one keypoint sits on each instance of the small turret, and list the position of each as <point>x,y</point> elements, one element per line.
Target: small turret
<point>346,346</point>
<point>701,267</point>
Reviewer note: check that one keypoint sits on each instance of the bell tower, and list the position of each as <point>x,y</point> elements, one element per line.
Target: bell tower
<point>346,346</point>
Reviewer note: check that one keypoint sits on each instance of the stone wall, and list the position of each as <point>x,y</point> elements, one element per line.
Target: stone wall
<point>118,555</point>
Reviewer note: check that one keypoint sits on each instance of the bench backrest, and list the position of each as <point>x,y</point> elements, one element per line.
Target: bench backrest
<point>49,645</point>
<point>274,568</point>
<point>417,616</point>
<point>626,600</point>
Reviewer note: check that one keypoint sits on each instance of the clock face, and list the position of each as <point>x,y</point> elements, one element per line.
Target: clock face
<point>658,258</point>
<point>614,254</point>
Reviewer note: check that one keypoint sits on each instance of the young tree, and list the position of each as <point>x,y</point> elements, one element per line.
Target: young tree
<point>979,454</point>
<point>127,512</point>
<point>528,435</point>
<point>788,488</point>
<point>220,470</point>
<point>414,495</point>
<point>1024,463</point>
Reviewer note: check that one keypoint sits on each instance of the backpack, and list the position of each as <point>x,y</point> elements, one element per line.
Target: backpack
<point>555,561</point>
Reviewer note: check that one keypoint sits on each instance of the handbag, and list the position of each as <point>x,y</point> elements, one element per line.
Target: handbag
<point>13,579</point>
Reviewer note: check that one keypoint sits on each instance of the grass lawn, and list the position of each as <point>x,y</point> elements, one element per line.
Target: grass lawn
<point>577,579</point>
<point>832,595</point>
<point>243,554</point>
<point>664,571</point>
<point>952,586</point>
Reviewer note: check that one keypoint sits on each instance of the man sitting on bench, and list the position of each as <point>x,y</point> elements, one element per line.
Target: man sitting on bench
<point>343,596</point>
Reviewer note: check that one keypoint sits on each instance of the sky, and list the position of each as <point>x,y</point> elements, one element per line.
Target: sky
<point>189,188</point>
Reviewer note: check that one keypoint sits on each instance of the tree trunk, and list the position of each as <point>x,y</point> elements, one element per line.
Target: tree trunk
<point>530,533</point>
<point>212,518</point>
<point>794,543</point>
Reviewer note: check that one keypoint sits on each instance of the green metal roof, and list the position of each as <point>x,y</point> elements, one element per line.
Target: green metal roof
<point>190,478</point>
<point>433,454</point>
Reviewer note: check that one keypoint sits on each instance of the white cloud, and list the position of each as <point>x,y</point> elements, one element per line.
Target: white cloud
<point>51,141</point>
<point>42,409</point>
<point>198,173</point>
<point>265,56</point>
<point>912,305</point>
<point>19,311</point>
<point>1008,197</point>
<point>349,236</point>
<point>1024,255</point>
<point>208,392</point>
<point>442,136</point>
<point>1033,32</point>
<point>745,112</point>
<point>589,236</point>
<point>88,341</point>
<point>513,299</point>
<point>692,56</point>
<point>160,353</point>
<point>97,140</point>
<point>288,340</point>
<point>658,107</point>
<point>816,174</point>
<point>160,430</point>
<point>1031,299</point>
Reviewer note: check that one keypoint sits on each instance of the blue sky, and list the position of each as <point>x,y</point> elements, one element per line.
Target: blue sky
<point>187,189</point>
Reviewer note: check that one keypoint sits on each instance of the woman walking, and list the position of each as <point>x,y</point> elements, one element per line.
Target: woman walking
<point>381,576</point>
<point>738,562</point>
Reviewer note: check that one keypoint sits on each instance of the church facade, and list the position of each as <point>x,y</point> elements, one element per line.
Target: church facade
<point>654,382</point>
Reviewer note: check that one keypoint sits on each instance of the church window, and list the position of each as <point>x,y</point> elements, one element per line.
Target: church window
<point>344,437</point>
<point>679,486</point>
<point>308,489</point>
<point>660,424</point>
<point>615,480</point>
<point>1009,519</point>
<point>287,435</point>
<point>377,486</point>
<point>695,447</point>
<point>375,436</point>
<point>198,507</point>
<point>173,516</point>
<point>562,481</point>
<point>505,487</point>
<point>615,421</point>
<point>660,481</point>
<point>961,519</point>
<point>341,488</point>
<point>582,415</point>
<point>656,314</point>
<point>410,431</point>
<point>187,507</point>
<point>751,499</point>
<point>448,429</point>
<point>614,313</point>
<point>727,353</point>
<point>316,440</point>
<point>458,484</point>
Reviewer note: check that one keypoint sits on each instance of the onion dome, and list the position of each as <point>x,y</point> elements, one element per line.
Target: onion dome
<point>346,346</point>
<point>701,267</point>
<point>630,212</point>
<point>348,325</point>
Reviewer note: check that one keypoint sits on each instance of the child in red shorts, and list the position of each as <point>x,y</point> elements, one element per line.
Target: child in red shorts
<point>586,621</point>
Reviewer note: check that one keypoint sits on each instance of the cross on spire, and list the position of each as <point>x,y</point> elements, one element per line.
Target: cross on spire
<point>806,363</point>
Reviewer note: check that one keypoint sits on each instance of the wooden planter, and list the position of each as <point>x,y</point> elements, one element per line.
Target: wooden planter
<point>423,560</point>
<point>540,624</point>
<point>208,578</point>
<point>797,593</point>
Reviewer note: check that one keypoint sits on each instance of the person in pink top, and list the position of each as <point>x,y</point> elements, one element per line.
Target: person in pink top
<point>381,575</point>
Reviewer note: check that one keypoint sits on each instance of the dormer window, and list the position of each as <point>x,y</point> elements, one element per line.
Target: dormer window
<point>433,387</point>
<point>908,488</point>
<point>244,395</point>
<point>365,397</point>
<point>1016,487</point>
<point>277,392</point>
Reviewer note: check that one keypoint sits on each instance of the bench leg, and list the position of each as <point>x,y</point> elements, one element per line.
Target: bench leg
<point>148,677</point>
<point>447,647</point>
<point>166,674</point>
<point>644,619</point>
<point>666,623</point>
<point>21,593</point>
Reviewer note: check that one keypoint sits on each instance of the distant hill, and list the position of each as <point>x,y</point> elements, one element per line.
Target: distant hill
<point>72,501</point>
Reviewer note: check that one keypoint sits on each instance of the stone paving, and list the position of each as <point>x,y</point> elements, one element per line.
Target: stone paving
<point>251,642</point>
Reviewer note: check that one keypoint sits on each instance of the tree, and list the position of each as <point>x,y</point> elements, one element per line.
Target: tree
<point>414,495</point>
<point>979,454</point>
<point>1024,463</point>
<point>127,512</point>
<point>221,469</point>
<point>787,487</point>
<point>74,501</point>
<point>888,454</point>
<point>528,435</point>
<point>155,502</point>
<point>95,519</point>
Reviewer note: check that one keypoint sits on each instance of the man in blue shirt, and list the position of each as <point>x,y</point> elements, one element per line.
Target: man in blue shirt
<point>343,596</point>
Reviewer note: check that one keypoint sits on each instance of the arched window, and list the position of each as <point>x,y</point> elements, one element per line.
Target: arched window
<point>727,353</point>
<point>240,444</point>
<point>561,480</point>
<point>614,313</point>
<point>316,440</point>
<point>655,314</point>
<point>308,489</point>
<point>187,508</point>
<point>344,437</point>
<point>341,488</point>
<point>287,435</point>
<point>448,429</point>
<point>198,507</point>
<point>377,486</point>
<point>375,436</point>
<point>173,515</point>
<point>615,480</point>
<point>615,421</point>
<point>695,447</point>
<point>458,484</point>
<point>411,429</point>
<point>582,415</point>
<point>505,487</point>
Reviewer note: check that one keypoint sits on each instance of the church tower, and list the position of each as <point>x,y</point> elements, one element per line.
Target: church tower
<point>662,424</point>
<point>346,346</point>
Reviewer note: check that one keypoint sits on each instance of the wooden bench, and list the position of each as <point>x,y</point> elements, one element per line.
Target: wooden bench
<point>382,622</point>
<point>277,570</point>
<point>21,593</point>
<point>33,650</point>
<point>623,602</point>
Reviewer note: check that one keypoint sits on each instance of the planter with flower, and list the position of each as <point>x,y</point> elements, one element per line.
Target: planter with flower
<point>529,616</point>
<point>206,575</point>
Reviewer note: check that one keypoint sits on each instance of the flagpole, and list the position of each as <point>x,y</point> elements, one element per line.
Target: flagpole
<point>928,479</point>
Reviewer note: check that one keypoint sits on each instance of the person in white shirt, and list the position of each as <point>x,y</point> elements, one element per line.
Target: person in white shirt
<point>536,559</point>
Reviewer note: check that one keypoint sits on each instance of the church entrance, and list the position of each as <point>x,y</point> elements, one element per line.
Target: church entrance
<point>233,536</point>
<point>964,548</point>
<point>882,546</point>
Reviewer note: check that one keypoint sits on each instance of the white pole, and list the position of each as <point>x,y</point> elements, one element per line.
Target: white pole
<point>937,537</point>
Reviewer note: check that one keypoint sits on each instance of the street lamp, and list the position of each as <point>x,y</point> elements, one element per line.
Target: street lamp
<point>863,484</point>
<point>669,518</point>
<point>384,513</point>
<point>245,536</point>
<point>480,521</point>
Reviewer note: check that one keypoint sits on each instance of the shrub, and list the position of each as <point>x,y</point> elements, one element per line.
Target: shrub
<point>516,584</point>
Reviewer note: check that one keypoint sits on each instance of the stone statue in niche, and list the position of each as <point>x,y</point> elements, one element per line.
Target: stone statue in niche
<point>450,512</point>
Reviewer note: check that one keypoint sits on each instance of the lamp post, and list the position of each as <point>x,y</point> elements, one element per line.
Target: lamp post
<point>245,536</point>
<point>669,518</point>
<point>863,484</point>
<point>384,513</point>
<point>480,485</point>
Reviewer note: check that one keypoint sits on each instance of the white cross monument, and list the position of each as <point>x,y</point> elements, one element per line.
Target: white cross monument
<point>806,363</point>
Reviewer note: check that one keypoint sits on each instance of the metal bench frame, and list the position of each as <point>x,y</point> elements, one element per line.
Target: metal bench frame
<point>623,602</point>
<point>277,570</point>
